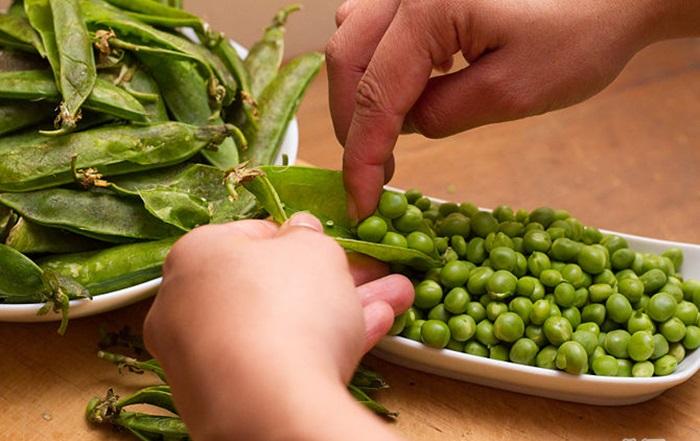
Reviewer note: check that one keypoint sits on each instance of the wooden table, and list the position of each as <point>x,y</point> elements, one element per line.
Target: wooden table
<point>627,160</point>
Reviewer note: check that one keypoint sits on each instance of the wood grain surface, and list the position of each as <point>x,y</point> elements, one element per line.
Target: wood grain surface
<point>627,160</point>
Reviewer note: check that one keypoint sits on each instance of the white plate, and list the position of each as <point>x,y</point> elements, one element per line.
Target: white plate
<point>127,296</point>
<point>589,389</point>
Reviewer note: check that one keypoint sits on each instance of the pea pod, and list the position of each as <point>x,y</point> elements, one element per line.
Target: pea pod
<point>31,161</point>
<point>17,9</point>
<point>8,218</point>
<point>77,71</point>
<point>40,17</point>
<point>371,404</point>
<point>229,56</point>
<point>18,28</point>
<point>176,208</point>
<point>30,238</point>
<point>284,190</point>
<point>134,365</point>
<point>159,396</point>
<point>265,56</point>
<point>277,106</point>
<point>142,83</point>
<point>159,14</point>
<point>112,268</point>
<point>83,212</point>
<point>15,115</point>
<point>367,380</point>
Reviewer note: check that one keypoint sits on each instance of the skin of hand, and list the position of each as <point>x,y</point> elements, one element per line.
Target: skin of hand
<point>526,57</point>
<point>260,327</point>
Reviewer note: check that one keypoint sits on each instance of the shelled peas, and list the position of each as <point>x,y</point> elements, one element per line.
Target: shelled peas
<point>538,288</point>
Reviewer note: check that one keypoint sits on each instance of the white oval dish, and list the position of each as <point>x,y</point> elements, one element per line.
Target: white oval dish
<point>588,389</point>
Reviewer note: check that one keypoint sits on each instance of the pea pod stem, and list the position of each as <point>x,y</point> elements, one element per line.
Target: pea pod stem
<point>132,364</point>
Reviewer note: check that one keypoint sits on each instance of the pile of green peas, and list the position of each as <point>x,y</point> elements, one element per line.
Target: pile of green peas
<point>538,288</point>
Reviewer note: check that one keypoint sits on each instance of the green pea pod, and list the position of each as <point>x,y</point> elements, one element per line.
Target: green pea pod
<point>142,83</point>
<point>103,16</point>
<point>266,55</point>
<point>185,93</point>
<point>17,9</point>
<point>165,427</point>
<point>285,190</point>
<point>21,280</point>
<point>41,19</point>
<point>229,56</point>
<point>18,28</point>
<point>8,218</point>
<point>367,380</point>
<point>159,396</point>
<point>277,106</point>
<point>15,115</point>
<point>368,402</point>
<point>77,61</point>
<point>134,365</point>
<point>31,161</point>
<point>83,212</point>
<point>30,238</point>
<point>39,85</point>
<point>196,180</point>
<point>176,208</point>
<point>159,14</point>
<point>113,268</point>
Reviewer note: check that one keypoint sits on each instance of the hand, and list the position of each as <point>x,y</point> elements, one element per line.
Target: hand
<point>525,57</point>
<point>259,328</point>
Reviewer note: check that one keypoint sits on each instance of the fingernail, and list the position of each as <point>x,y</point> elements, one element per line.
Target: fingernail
<point>305,219</point>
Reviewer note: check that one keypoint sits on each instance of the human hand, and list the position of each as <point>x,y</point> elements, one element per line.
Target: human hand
<point>259,328</point>
<point>525,57</point>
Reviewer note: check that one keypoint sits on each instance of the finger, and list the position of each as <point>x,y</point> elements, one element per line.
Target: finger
<point>250,228</point>
<point>379,316</point>
<point>348,53</point>
<point>303,220</point>
<point>343,11</point>
<point>487,91</point>
<point>365,269</point>
<point>393,81</point>
<point>395,290</point>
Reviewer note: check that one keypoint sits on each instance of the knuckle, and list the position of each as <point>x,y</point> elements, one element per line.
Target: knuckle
<point>428,120</point>
<point>336,50</point>
<point>341,13</point>
<point>370,97</point>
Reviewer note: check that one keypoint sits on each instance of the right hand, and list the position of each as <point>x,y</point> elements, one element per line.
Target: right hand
<point>526,57</point>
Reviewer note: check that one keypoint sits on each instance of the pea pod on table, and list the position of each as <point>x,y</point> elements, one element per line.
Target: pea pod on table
<point>32,161</point>
<point>277,105</point>
<point>113,268</point>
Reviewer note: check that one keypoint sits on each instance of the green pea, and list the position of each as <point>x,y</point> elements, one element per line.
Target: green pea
<point>399,324</point>
<point>456,224</point>
<point>691,291</point>
<point>626,274</point>
<point>557,330</point>
<point>537,240</point>
<point>597,352</point>
<point>483,223</point>
<point>556,233</point>
<point>454,345</point>
<point>607,277</point>
<point>573,274</point>
<point>581,297</point>
<point>503,213</point>
<point>541,311</point>
<point>456,300</point>
<point>435,333</point>
<point>531,287</point>
<point>591,235</point>
<point>676,256</point>
<point>523,351</point>
<point>477,311</point>
<point>687,312</point>
<point>572,358</point>
<point>673,329</point>
<point>522,216</point>
<point>631,288</point>
<point>511,229</point>
<point>665,365</point>
<point>420,241</point>
<point>639,321</point>
<point>518,244</point>
<point>478,278</point>
<point>600,292</point>
<point>550,278</point>
<point>495,309</point>
<point>499,352</point>
<point>509,327</point>
<point>476,252</point>
<point>661,306</point>
<point>395,239</point>
<point>661,346</point>
<point>640,346</point>
<point>594,312</point>
<point>409,221</point>
<point>476,348</point>
<point>592,259</point>
<point>413,314</point>
<point>468,209</point>
<point>372,229</point>
<point>573,315</point>
<point>587,339</point>
<point>653,280</point>
<point>428,293</point>
<point>564,294</point>
<point>520,268</point>
<point>438,312</point>
<point>605,365</point>
<point>556,265</point>
<point>440,244</point>
<point>423,203</point>
<point>536,334</point>
<point>624,367</point>
<point>542,215</point>
<point>454,273</point>
<point>538,262</point>
<point>622,259</point>
<point>691,340</point>
<point>616,343</point>
<point>601,338</point>
<point>565,249</point>
<point>643,369</point>
<point>619,308</point>
<point>495,240</point>
<point>462,327</point>
<point>413,331</point>
<point>485,333</point>
<point>412,195</point>
<point>501,284</point>
<point>521,306</point>
<point>675,290</point>
<point>431,215</point>
<point>392,205</point>
<point>502,258</point>
<point>613,243</point>
<point>677,350</point>
<point>459,244</point>
<point>546,358</point>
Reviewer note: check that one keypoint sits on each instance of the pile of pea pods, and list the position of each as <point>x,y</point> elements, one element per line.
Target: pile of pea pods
<point>117,129</point>
<point>537,288</point>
